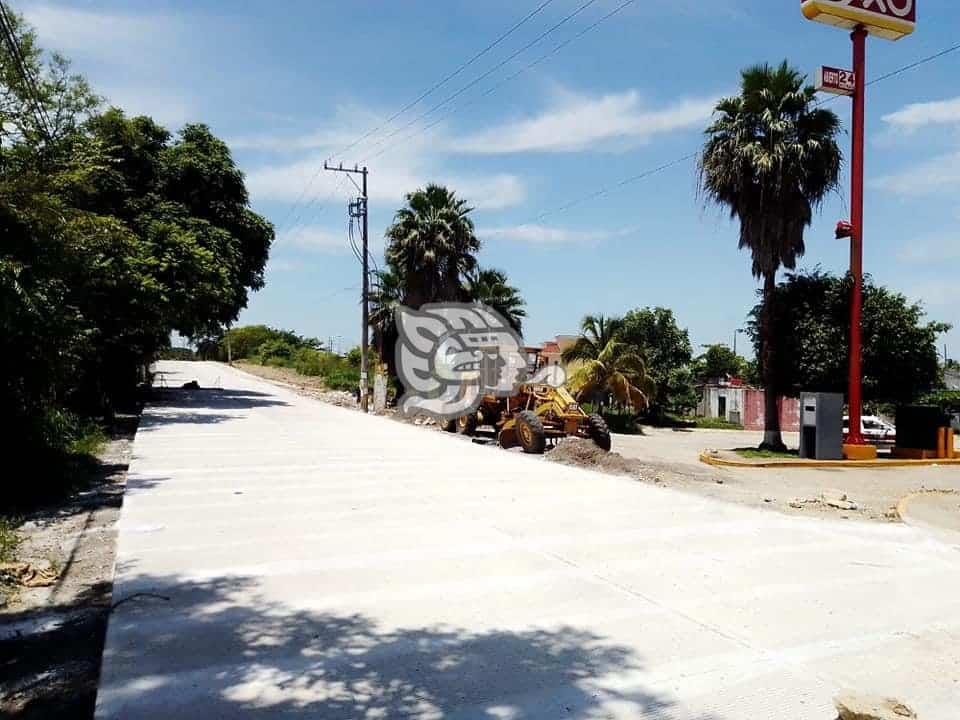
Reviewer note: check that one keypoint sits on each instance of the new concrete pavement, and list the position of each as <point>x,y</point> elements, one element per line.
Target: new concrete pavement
<point>279,557</point>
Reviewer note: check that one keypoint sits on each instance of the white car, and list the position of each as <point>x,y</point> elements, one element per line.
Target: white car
<point>874,430</point>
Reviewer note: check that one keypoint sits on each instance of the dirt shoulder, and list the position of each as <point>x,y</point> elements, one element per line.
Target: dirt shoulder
<point>51,638</point>
<point>303,384</point>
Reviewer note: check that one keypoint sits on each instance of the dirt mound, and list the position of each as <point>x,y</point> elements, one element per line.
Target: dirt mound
<point>584,453</point>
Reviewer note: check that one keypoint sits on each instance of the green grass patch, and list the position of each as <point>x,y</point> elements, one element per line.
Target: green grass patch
<point>90,442</point>
<point>713,424</point>
<point>9,539</point>
<point>755,454</point>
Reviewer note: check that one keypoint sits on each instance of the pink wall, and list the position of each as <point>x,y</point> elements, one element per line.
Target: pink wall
<point>754,414</point>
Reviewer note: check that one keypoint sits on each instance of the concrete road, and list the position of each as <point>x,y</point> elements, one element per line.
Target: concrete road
<point>283,558</point>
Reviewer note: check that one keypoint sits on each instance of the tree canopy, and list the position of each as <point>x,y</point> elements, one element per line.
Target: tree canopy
<point>900,361</point>
<point>116,233</point>
<point>654,332</point>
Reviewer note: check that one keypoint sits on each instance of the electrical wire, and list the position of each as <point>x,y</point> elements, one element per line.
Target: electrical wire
<point>443,81</point>
<point>493,88</point>
<point>655,171</point>
<point>480,78</point>
<point>425,94</point>
<point>23,69</point>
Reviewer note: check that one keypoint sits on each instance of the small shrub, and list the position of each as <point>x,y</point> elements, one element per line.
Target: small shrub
<point>312,363</point>
<point>277,353</point>
<point>342,378</point>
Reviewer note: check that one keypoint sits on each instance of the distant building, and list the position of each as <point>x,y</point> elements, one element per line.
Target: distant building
<point>729,399</point>
<point>952,379</point>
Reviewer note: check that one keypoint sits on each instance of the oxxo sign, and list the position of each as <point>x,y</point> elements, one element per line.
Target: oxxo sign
<point>890,19</point>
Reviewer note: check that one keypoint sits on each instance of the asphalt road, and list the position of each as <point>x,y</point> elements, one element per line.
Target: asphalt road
<point>279,557</point>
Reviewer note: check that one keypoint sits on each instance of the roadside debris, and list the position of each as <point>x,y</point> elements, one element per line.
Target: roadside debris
<point>837,499</point>
<point>862,707</point>
<point>27,574</point>
<point>585,453</point>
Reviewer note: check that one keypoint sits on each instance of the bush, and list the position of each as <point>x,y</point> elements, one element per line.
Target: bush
<point>278,353</point>
<point>315,362</point>
<point>177,353</point>
<point>623,423</point>
<point>342,378</point>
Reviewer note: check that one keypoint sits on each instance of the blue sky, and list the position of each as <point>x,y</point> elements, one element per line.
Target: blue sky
<point>289,83</point>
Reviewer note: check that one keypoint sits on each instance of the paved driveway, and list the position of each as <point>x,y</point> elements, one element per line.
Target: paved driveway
<point>283,558</point>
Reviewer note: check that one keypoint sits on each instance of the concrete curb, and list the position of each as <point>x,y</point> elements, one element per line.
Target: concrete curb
<point>902,504</point>
<point>709,459</point>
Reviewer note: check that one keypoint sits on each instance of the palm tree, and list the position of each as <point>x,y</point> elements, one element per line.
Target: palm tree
<point>384,297</point>
<point>607,365</point>
<point>490,287</point>
<point>432,246</point>
<point>771,157</point>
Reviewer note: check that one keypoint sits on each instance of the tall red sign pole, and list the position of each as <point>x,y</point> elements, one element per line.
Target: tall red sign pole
<point>891,20</point>
<point>854,397</point>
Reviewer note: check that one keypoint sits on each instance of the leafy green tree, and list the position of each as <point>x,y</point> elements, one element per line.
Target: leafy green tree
<point>654,332</point>
<point>491,287</point>
<point>718,361</point>
<point>115,235</point>
<point>900,361</point>
<point>770,158</point>
<point>432,246</point>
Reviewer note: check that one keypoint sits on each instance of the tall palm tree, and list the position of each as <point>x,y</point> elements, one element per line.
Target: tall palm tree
<point>432,246</point>
<point>770,158</point>
<point>491,287</point>
<point>607,366</point>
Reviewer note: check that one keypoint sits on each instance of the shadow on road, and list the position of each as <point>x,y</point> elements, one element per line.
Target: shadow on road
<point>216,648</point>
<point>184,406</point>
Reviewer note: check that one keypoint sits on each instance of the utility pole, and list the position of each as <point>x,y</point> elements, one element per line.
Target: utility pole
<point>358,209</point>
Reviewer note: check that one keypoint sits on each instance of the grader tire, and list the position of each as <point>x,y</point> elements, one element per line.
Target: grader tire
<point>467,424</point>
<point>530,433</point>
<point>599,432</point>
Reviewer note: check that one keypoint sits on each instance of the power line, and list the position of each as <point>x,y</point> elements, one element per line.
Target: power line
<point>666,166</point>
<point>422,96</point>
<point>443,81</point>
<point>489,72</point>
<point>23,69</point>
<point>493,88</point>
<point>563,21</point>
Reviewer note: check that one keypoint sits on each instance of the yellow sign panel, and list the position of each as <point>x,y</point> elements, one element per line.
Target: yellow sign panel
<point>890,19</point>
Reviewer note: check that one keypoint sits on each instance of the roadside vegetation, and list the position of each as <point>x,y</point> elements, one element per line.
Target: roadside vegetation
<point>116,233</point>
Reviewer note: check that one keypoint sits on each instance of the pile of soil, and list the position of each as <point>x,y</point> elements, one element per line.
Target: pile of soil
<point>584,453</point>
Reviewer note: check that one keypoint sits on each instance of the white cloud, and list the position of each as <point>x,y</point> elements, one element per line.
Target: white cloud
<point>547,235</point>
<point>934,248</point>
<point>167,107</point>
<point>104,35</point>
<point>918,115</point>
<point>941,174</point>
<point>411,164</point>
<point>577,122</point>
<point>132,58</point>
<point>935,294</point>
<point>321,239</point>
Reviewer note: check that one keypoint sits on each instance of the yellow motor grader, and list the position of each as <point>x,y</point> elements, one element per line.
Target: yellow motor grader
<point>535,416</point>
